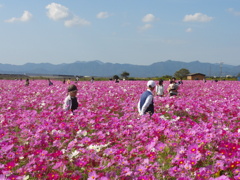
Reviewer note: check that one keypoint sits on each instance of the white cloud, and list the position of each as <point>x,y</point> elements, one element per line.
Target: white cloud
<point>76,21</point>
<point>102,15</point>
<point>60,12</point>
<point>1,5</point>
<point>232,11</point>
<point>145,27</point>
<point>24,18</point>
<point>57,11</point>
<point>189,30</point>
<point>148,18</point>
<point>197,17</point>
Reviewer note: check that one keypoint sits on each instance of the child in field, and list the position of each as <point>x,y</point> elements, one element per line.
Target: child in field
<point>160,88</point>
<point>70,102</point>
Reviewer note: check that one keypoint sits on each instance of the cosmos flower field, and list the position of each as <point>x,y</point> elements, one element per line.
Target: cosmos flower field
<point>192,136</point>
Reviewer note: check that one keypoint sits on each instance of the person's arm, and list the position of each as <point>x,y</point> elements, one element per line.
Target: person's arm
<point>157,90</point>
<point>138,106</point>
<point>169,87</point>
<point>146,104</point>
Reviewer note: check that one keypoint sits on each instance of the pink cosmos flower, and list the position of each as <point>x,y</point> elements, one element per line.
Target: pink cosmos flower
<point>223,177</point>
<point>126,171</point>
<point>206,114</point>
<point>160,146</point>
<point>10,165</point>
<point>236,171</point>
<point>192,149</point>
<point>81,162</point>
<point>144,178</point>
<point>92,175</point>
<point>3,177</point>
<point>173,170</point>
<point>76,177</point>
<point>188,166</point>
<point>141,169</point>
<point>10,155</point>
<point>12,177</point>
<point>104,178</point>
<point>53,176</point>
<point>2,133</point>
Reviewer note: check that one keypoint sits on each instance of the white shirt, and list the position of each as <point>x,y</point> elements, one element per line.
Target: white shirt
<point>159,90</point>
<point>146,104</point>
<point>67,104</point>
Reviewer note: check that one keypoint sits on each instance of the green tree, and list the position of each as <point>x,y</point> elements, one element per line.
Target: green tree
<point>115,77</point>
<point>125,74</point>
<point>182,73</point>
<point>166,77</point>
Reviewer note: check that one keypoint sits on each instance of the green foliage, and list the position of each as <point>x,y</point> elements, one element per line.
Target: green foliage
<point>166,77</point>
<point>182,73</point>
<point>115,77</point>
<point>125,74</point>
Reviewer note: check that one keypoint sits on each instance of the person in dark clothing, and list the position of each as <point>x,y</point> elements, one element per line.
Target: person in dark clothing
<point>70,102</point>
<point>180,81</point>
<point>50,83</point>
<point>27,82</point>
<point>146,104</point>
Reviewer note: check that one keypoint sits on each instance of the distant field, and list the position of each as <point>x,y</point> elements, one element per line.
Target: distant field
<point>192,136</point>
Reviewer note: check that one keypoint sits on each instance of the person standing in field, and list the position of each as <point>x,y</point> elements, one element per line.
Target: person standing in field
<point>92,79</point>
<point>70,102</point>
<point>146,104</point>
<point>160,88</point>
<point>68,81</point>
<point>27,82</point>
<point>50,83</point>
<point>180,81</point>
<point>173,88</point>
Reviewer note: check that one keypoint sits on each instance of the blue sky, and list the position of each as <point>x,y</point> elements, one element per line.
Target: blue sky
<point>119,31</point>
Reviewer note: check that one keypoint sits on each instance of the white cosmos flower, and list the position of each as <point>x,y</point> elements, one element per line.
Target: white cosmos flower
<point>26,177</point>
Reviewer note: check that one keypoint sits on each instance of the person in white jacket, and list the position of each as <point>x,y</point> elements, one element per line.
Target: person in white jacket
<point>70,102</point>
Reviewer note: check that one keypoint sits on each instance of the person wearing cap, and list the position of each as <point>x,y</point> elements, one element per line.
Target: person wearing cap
<point>145,104</point>
<point>70,102</point>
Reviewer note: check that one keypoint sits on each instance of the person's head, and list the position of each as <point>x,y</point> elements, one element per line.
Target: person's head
<point>72,90</point>
<point>160,82</point>
<point>151,85</point>
<point>173,79</point>
<point>172,82</point>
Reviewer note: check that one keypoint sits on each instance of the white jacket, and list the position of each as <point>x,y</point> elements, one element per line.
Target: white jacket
<point>67,104</point>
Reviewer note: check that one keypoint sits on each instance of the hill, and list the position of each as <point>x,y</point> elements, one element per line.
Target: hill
<point>98,68</point>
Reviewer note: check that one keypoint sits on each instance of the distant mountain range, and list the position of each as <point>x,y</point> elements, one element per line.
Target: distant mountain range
<point>98,68</point>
